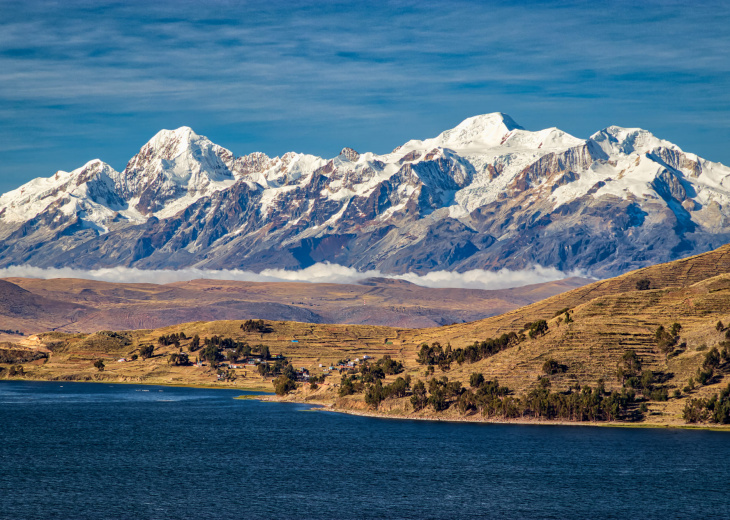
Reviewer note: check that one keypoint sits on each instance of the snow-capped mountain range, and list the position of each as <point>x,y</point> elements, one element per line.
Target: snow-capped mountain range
<point>487,194</point>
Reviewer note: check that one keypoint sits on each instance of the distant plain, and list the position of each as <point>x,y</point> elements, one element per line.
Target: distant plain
<point>75,305</point>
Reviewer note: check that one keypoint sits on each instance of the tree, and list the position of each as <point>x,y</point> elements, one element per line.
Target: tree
<point>438,400</point>
<point>476,380</point>
<point>243,349</point>
<point>551,367</point>
<point>467,401</point>
<point>283,385</point>
<point>289,372</point>
<point>375,394</point>
<point>389,365</point>
<point>643,285</point>
<point>146,351</point>
<point>537,328</point>
<point>346,386</point>
<point>179,359</point>
<point>254,326</point>
<point>418,399</point>
<point>398,387</point>
<point>712,359</point>
<point>99,364</point>
<point>666,340</point>
<point>264,352</point>
<point>210,353</point>
<point>195,343</point>
<point>676,329</point>
<point>371,373</point>
<point>632,363</point>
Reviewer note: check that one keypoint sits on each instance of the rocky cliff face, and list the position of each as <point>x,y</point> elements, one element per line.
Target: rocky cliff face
<point>486,194</point>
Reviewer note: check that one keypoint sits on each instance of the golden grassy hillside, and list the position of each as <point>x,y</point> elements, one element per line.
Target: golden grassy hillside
<point>609,318</point>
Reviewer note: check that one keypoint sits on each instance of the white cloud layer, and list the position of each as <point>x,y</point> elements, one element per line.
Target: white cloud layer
<point>318,273</point>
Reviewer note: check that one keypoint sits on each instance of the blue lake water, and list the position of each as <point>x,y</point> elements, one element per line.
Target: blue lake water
<point>77,451</point>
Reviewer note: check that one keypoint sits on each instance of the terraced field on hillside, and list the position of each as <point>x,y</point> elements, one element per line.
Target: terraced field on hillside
<point>607,319</point>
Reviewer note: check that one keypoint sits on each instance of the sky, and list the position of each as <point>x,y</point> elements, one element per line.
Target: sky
<point>86,80</point>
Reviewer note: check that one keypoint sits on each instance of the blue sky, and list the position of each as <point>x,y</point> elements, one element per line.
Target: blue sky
<point>85,80</point>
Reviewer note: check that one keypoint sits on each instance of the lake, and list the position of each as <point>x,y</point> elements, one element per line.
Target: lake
<point>77,451</point>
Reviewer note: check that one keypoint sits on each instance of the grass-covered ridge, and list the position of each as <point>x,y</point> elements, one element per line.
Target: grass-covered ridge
<point>649,347</point>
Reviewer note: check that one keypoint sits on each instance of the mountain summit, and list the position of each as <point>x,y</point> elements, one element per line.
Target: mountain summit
<point>486,194</point>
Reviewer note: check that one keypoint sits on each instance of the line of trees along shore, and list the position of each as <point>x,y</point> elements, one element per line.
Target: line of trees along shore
<point>491,399</point>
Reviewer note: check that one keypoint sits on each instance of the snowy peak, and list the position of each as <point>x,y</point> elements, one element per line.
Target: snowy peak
<point>625,141</point>
<point>349,154</point>
<point>486,130</point>
<point>180,154</point>
<point>175,165</point>
<point>93,182</point>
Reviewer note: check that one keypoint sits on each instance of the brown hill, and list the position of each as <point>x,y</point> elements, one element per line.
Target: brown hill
<point>24,310</point>
<point>93,305</point>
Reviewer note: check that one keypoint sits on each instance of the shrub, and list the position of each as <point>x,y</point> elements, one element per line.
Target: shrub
<point>643,285</point>
<point>537,328</point>
<point>551,367</point>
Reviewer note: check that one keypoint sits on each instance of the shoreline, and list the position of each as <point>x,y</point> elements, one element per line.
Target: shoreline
<point>323,406</point>
<point>261,389</point>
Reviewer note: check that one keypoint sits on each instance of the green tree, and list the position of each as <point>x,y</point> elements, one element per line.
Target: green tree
<point>537,328</point>
<point>346,386</point>
<point>666,340</point>
<point>467,401</point>
<point>676,329</point>
<point>712,358</point>
<point>211,354</point>
<point>264,352</point>
<point>643,285</point>
<point>375,394</point>
<point>283,385</point>
<point>551,367</point>
<point>179,359</point>
<point>146,351</point>
<point>438,400</point>
<point>631,362</point>
<point>99,364</point>
<point>289,372</point>
<point>476,380</point>
<point>398,387</point>
<point>419,399</point>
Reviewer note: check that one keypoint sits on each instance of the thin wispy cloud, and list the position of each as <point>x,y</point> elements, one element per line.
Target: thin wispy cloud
<point>317,273</point>
<point>321,75</point>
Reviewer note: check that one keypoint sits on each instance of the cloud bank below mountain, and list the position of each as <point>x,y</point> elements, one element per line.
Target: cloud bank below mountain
<point>317,273</point>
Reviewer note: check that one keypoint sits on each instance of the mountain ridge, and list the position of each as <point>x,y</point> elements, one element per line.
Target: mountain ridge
<point>485,194</point>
